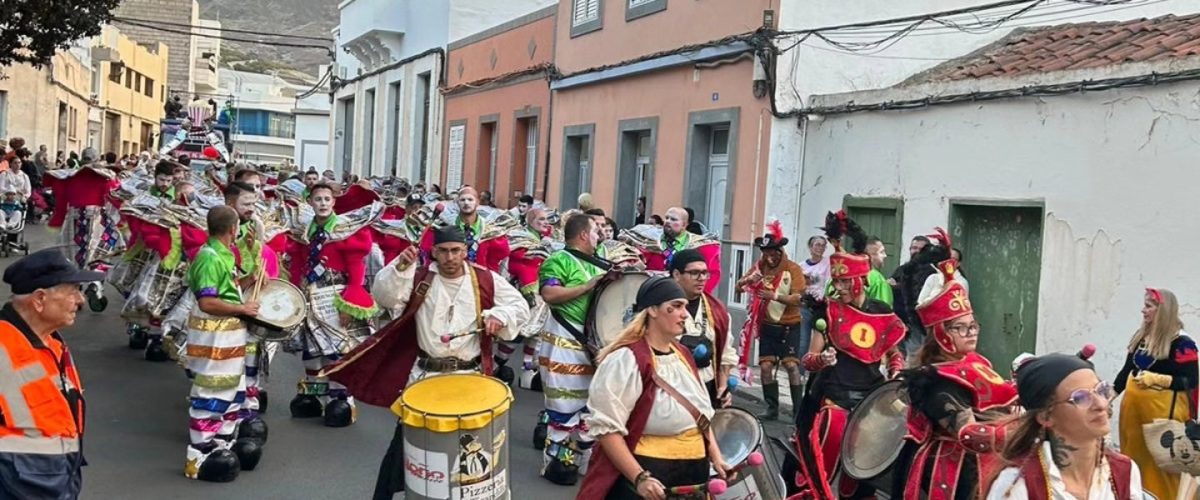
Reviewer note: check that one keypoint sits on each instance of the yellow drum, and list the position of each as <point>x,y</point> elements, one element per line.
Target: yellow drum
<point>455,437</point>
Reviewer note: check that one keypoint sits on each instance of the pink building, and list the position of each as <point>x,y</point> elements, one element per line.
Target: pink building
<point>636,114</point>
<point>497,103</point>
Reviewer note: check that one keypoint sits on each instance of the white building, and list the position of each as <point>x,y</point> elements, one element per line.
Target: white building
<point>207,65</point>
<point>1067,204</point>
<point>264,126</point>
<point>312,128</point>
<point>387,113</point>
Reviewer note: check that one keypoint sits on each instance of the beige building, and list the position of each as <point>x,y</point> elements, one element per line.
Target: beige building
<point>48,105</point>
<point>132,92</point>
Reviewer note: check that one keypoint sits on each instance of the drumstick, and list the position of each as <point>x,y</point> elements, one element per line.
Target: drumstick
<point>451,336</point>
<point>714,486</point>
<point>754,460</point>
<point>730,385</point>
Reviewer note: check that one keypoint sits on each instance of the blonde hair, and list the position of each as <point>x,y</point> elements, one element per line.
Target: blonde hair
<point>1158,335</point>
<point>633,332</point>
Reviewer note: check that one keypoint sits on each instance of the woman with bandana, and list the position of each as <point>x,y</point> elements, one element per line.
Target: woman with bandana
<point>1158,377</point>
<point>330,252</point>
<point>647,372</point>
<point>1058,450</point>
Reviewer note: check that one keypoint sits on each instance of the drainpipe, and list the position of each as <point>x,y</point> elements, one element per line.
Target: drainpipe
<point>549,143</point>
<point>754,216</point>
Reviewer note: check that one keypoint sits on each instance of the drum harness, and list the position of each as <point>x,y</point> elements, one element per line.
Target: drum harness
<point>580,336</point>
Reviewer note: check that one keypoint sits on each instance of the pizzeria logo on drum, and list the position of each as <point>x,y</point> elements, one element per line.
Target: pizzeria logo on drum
<point>423,472</point>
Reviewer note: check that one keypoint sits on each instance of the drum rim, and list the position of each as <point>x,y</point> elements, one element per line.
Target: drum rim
<point>750,417</point>
<point>859,473</point>
<point>277,282</point>
<point>590,318</point>
<point>443,422</point>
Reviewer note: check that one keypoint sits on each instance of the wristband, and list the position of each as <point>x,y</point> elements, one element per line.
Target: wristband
<point>812,362</point>
<point>642,476</point>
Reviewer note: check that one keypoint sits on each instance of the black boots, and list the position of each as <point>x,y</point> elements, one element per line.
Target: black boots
<point>504,372</point>
<point>797,397</point>
<point>339,413</point>
<point>305,406</point>
<point>253,428</point>
<point>137,336</point>
<point>248,451</point>
<point>155,351</point>
<point>219,466</point>
<point>771,397</point>
<point>540,430</point>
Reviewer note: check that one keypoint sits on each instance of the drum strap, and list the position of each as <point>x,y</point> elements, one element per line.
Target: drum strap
<point>702,421</point>
<point>575,333</point>
<point>591,259</point>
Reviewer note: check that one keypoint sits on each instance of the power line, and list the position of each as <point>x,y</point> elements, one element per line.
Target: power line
<point>222,29</point>
<point>231,39</point>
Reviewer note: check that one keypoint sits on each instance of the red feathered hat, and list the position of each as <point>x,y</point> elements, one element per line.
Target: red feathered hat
<point>354,198</point>
<point>843,264</point>
<point>773,238</point>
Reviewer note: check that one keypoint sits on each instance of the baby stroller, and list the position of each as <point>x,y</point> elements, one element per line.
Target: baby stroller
<point>14,226</point>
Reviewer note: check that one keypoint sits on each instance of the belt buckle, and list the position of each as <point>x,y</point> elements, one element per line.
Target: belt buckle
<point>703,424</point>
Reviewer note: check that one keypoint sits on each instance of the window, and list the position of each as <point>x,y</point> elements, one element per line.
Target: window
<point>114,73</point>
<point>454,158</point>
<point>641,8</point>
<point>740,260</point>
<point>577,162</point>
<point>73,123</point>
<point>148,87</point>
<point>585,17</point>
<point>531,145</point>
<point>137,83</point>
<point>128,78</point>
<point>3,113</point>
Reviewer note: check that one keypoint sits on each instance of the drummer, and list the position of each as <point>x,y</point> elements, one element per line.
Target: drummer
<point>568,280</point>
<point>845,368</point>
<point>460,299</point>
<point>956,399</point>
<point>216,347</point>
<point>643,457</point>
<point>707,326</point>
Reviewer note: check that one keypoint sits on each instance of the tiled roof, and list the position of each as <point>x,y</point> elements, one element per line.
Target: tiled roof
<point>1077,46</point>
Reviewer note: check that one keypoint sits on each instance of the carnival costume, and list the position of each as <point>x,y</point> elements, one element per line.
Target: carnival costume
<point>529,251</point>
<point>706,332</point>
<point>863,338</point>
<point>956,410</point>
<point>83,211</point>
<point>327,262</point>
<point>658,250</point>
<point>487,237</point>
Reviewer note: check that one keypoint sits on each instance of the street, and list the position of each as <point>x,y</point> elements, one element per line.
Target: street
<point>136,429</point>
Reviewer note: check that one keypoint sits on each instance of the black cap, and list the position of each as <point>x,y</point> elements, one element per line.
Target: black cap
<point>45,269</point>
<point>449,234</point>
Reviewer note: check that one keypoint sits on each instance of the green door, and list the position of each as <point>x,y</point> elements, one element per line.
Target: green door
<point>880,218</point>
<point>1002,256</point>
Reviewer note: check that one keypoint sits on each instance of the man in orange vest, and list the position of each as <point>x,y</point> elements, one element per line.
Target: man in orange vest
<point>41,399</point>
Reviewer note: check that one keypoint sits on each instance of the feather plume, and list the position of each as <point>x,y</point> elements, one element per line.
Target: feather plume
<point>941,236</point>
<point>775,229</point>
<point>833,226</point>
<point>856,233</point>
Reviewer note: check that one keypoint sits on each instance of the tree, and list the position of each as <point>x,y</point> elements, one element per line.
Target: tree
<point>32,31</point>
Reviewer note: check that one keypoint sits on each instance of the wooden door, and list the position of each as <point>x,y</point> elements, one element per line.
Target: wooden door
<point>1002,261</point>
<point>881,219</point>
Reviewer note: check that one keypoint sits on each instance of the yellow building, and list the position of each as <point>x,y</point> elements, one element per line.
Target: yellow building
<point>133,92</point>
<point>47,105</point>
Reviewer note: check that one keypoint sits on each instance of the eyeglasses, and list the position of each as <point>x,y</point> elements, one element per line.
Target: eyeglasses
<point>964,331</point>
<point>1085,398</point>
<point>702,274</point>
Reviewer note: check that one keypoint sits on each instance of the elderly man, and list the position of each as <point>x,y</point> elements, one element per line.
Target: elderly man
<point>42,424</point>
<point>449,297</point>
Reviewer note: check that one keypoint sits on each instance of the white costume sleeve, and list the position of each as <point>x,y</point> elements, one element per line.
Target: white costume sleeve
<point>1008,485</point>
<point>508,306</point>
<point>392,287</point>
<point>615,388</point>
<point>729,356</point>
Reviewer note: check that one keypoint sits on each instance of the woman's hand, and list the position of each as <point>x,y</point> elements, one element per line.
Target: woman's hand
<point>719,465</point>
<point>651,488</point>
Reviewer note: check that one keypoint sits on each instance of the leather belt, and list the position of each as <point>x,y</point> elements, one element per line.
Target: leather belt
<point>446,364</point>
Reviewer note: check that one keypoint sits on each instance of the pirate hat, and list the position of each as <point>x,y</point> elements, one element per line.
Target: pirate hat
<point>846,264</point>
<point>773,238</point>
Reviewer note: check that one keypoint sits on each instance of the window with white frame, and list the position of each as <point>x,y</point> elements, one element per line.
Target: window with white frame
<point>635,3</point>
<point>454,158</point>
<point>740,260</point>
<point>586,11</point>
<point>531,141</point>
<point>641,8</point>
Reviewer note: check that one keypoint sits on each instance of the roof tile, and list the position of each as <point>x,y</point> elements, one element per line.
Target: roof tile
<point>1078,46</point>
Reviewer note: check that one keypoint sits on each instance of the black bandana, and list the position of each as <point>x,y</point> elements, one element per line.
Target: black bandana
<point>657,290</point>
<point>449,234</point>
<point>685,257</point>
<point>1038,379</point>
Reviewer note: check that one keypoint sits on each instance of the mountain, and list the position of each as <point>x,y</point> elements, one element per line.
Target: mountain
<point>286,17</point>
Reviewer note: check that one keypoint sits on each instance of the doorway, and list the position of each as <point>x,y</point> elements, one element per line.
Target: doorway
<point>485,157</point>
<point>881,218</point>
<point>635,168</point>
<point>1002,256</point>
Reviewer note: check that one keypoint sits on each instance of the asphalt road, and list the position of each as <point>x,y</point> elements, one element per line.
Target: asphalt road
<point>136,429</point>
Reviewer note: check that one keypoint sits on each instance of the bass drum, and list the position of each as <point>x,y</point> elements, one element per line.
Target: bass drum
<point>612,309</point>
<point>874,435</point>
<point>281,311</point>
<point>739,435</point>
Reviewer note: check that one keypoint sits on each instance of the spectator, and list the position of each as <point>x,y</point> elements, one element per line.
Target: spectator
<point>816,278</point>
<point>523,206</point>
<point>656,220</point>
<point>60,159</point>
<point>639,218</point>
<point>73,161</point>
<point>15,180</point>
<point>110,158</point>
<point>41,159</point>
<point>935,282</point>
<point>878,287</point>
<point>485,199</point>
<point>31,170</point>
<point>45,297</point>
<point>585,202</point>
<point>693,226</point>
<point>329,176</point>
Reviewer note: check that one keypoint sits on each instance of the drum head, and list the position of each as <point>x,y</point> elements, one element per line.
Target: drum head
<point>447,403</point>
<point>737,433</point>
<point>875,432</point>
<point>281,304</point>
<point>612,307</point>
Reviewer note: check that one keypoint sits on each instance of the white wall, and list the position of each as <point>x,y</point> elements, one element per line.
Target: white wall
<point>1115,170</point>
<point>468,17</point>
<point>312,141</point>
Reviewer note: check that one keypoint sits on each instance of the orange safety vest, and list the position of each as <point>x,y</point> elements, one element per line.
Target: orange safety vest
<point>36,415</point>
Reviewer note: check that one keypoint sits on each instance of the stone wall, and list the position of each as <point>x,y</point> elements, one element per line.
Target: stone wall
<point>180,68</point>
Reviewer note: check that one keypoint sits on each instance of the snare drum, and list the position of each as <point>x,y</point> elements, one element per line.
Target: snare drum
<point>281,311</point>
<point>612,308</point>
<point>455,437</point>
<point>739,435</point>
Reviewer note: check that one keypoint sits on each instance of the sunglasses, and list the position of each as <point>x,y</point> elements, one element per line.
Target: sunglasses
<point>1086,398</point>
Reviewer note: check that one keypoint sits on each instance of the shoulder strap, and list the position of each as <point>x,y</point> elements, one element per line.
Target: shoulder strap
<point>702,421</point>
<point>423,278</point>
<point>1122,470</point>
<point>1034,476</point>
<point>591,259</point>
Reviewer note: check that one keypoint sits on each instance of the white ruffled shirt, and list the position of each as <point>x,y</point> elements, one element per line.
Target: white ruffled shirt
<point>701,324</point>
<point>617,385</point>
<point>1010,485</point>
<point>449,308</point>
